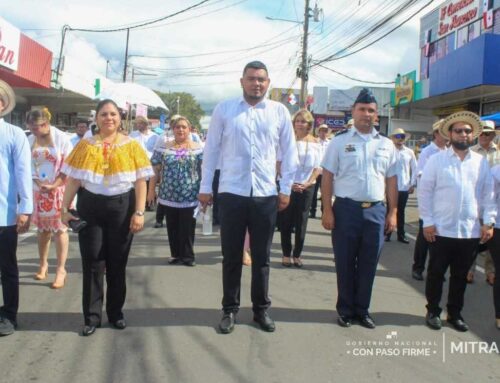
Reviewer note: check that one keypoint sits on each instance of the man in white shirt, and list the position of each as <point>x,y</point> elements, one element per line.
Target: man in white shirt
<point>487,148</point>
<point>247,133</point>
<point>81,127</point>
<point>421,246</point>
<point>456,201</point>
<point>407,178</point>
<point>16,206</point>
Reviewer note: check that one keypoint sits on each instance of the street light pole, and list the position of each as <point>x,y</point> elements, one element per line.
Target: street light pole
<point>303,66</point>
<point>126,58</point>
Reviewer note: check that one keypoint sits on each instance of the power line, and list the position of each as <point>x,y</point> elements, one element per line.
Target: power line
<point>142,24</point>
<point>356,79</point>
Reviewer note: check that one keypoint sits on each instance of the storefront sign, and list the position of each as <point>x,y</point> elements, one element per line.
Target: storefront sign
<point>9,45</point>
<point>456,14</point>
<point>333,122</point>
<point>405,87</point>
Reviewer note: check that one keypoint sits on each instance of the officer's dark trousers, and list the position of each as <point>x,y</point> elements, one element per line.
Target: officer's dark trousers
<point>494,247</point>
<point>420,251</point>
<point>357,239</point>
<point>104,247</point>
<point>314,203</point>
<point>180,227</point>
<point>458,255</point>
<point>236,213</point>
<point>402,201</point>
<point>9,272</point>
<point>295,216</point>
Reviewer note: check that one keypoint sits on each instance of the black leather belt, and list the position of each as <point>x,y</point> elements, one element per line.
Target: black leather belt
<point>362,204</point>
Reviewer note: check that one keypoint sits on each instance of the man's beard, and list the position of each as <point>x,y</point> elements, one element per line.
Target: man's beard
<point>461,145</point>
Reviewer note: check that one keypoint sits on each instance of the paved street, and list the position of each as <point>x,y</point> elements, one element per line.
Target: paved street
<point>173,313</point>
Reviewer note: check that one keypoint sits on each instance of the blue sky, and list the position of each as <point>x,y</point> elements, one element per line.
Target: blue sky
<point>235,27</point>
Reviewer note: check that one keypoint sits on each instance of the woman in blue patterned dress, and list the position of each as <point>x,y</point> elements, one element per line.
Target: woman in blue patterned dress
<point>178,171</point>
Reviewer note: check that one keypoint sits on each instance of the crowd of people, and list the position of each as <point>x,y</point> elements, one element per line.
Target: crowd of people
<point>260,169</point>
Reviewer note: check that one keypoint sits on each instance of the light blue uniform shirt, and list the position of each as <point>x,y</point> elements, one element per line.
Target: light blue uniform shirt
<point>360,164</point>
<point>15,174</point>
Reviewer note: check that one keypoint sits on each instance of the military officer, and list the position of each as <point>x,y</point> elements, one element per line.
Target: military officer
<point>360,165</point>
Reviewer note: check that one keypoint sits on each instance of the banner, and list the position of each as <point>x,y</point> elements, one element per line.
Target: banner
<point>9,45</point>
<point>456,14</point>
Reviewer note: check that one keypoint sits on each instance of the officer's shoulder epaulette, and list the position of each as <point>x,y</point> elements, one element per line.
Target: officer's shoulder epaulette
<point>343,131</point>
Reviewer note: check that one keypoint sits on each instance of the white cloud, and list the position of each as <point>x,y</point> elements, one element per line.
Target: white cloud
<point>235,28</point>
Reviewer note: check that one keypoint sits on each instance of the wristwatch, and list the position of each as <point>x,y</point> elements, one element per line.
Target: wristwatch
<point>139,213</point>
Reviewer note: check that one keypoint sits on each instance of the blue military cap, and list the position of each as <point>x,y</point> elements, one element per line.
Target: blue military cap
<point>365,97</point>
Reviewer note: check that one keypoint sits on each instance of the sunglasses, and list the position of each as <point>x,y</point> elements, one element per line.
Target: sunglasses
<point>488,134</point>
<point>463,130</point>
<point>400,136</point>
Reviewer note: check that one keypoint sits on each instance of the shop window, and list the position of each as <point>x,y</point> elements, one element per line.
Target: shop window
<point>441,48</point>
<point>474,30</point>
<point>496,22</point>
<point>462,36</point>
<point>450,42</point>
<point>424,64</point>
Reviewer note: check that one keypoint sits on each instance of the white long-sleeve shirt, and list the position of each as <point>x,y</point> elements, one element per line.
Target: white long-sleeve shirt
<point>495,172</point>
<point>406,168</point>
<point>453,194</point>
<point>425,154</point>
<point>247,139</point>
<point>310,155</point>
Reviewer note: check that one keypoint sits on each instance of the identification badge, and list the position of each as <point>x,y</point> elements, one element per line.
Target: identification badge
<point>350,148</point>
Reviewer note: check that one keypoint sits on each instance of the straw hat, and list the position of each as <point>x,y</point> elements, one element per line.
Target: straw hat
<point>8,97</point>
<point>489,126</point>
<point>466,117</point>
<point>400,131</point>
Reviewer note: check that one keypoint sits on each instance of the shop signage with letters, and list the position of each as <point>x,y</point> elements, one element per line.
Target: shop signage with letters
<point>9,45</point>
<point>456,14</point>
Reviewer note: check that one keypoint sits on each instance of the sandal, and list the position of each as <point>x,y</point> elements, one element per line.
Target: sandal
<point>470,277</point>
<point>297,262</point>
<point>287,261</point>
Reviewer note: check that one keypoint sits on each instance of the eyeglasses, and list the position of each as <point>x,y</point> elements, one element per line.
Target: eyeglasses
<point>400,136</point>
<point>488,134</point>
<point>463,130</point>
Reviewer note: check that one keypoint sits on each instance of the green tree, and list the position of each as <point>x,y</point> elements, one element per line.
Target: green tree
<point>188,107</point>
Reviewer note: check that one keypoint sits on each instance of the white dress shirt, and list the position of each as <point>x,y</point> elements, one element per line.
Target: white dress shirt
<point>360,164</point>
<point>425,154</point>
<point>147,140</point>
<point>453,194</point>
<point>495,172</point>
<point>406,168</point>
<point>310,155</point>
<point>247,138</point>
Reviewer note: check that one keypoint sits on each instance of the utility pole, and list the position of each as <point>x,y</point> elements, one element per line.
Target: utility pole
<point>65,29</point>
<point>303,67</point>
<point>126,58</point>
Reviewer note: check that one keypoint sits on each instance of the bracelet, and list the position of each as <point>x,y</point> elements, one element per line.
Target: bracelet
<point>139,213</point>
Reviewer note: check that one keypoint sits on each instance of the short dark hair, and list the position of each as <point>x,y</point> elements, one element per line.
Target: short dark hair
<point>255,65</point>
<point>82,121</point>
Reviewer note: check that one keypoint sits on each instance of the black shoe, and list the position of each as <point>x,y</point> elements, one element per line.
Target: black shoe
<point>366,321</point>
<point>120,324</point>
<point>189,263</point>
<point>158,225</point>
<point>7,327</point>
<point>404,240</point>
<point>433,321</point>
<point>344,321</point>
<point>417,276</point>
<point>226,324</point>
<point>312,215</point>
<point>458,324</point>
<point>388,238</point>
<point>88,330</point>
<point>265,322</point>
<point>174,261</point>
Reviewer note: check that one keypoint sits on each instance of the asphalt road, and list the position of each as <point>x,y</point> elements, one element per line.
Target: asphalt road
<point>173,313</point>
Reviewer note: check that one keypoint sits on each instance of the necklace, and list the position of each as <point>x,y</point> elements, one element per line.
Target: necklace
<point>107,150</point>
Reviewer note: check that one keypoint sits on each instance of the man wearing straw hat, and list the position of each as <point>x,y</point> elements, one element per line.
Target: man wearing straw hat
<point>456,185</point>
<point>407,178</point>
<point>16,205</point>
<point>487,148</point>
<point>421,246</point>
